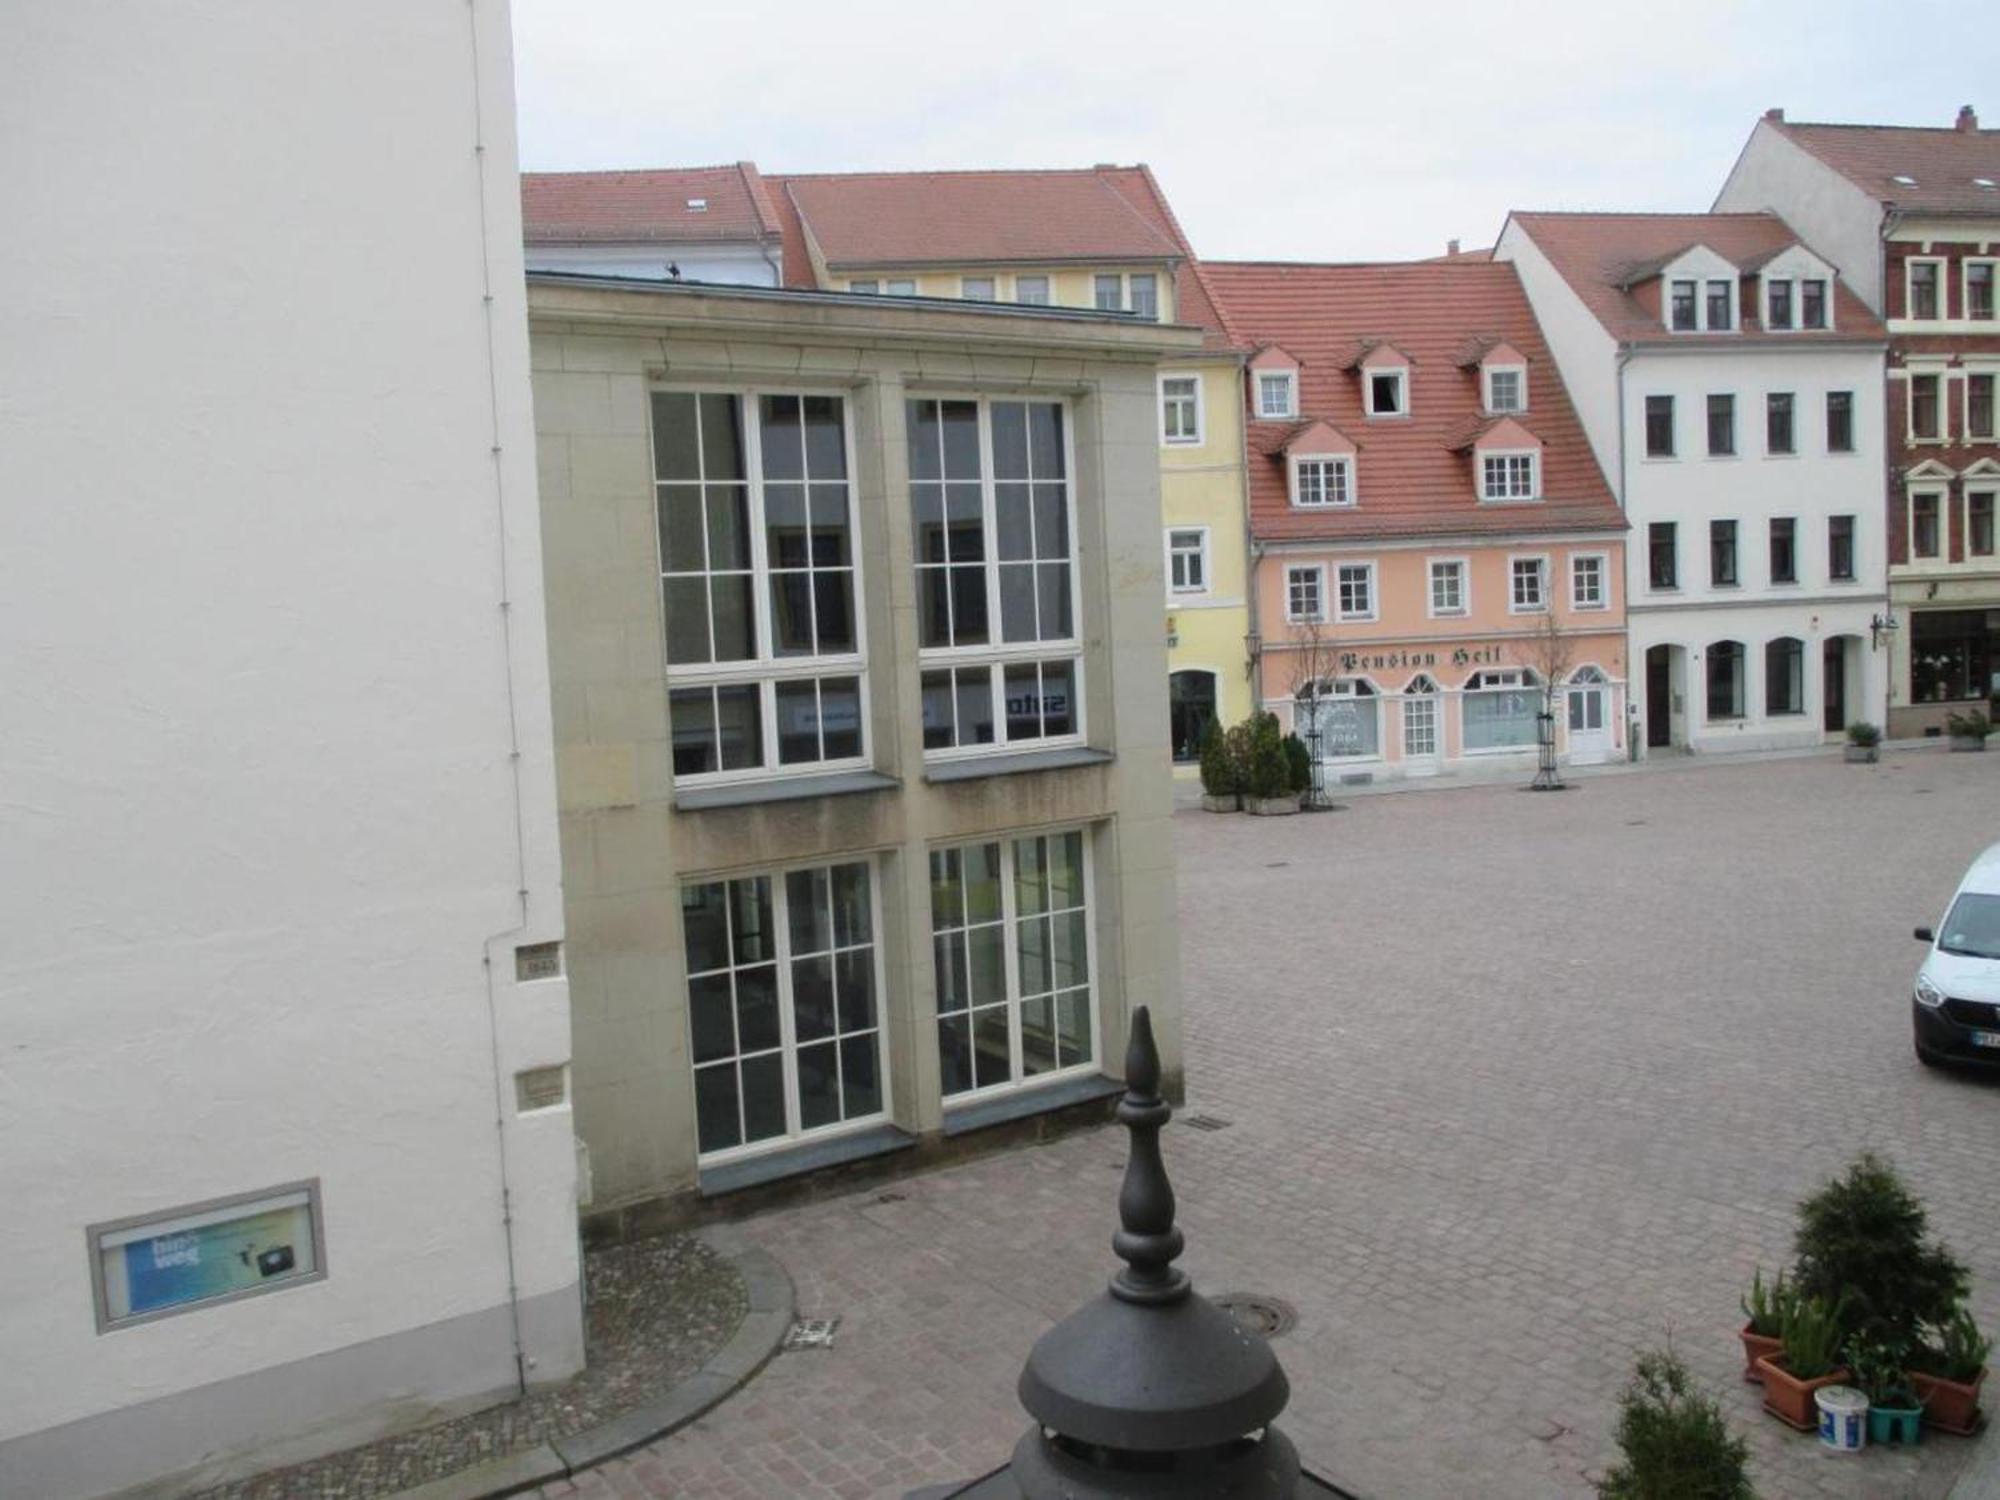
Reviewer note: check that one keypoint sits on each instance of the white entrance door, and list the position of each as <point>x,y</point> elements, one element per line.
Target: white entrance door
<point>1420,735</point>
<point>1589,724</point>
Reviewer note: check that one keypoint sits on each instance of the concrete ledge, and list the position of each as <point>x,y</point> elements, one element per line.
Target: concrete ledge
<point>808,1157</point>
<point>975,767</point>
<point>791,789</point>
<point>1025,1102</point>
<point>772,1305</point>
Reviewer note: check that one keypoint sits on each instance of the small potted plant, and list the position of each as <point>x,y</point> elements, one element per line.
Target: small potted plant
<point>1268,778</point>
<point>1674,1440</point>
<point>1764,1310</point>
<point>1863,1242</point>
<point>1809,1361</point>
<point>1894,1413</point>
<point>1221,776</point>
<point>1948,1367</point>
<point>1864,743</point>
<point>1968,731</point>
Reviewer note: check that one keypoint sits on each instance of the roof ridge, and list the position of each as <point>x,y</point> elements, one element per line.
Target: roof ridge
<point>1641,213</point>
<point>964,172</point>
<point>1861,125</point>
<point>720,166</point>
<point>1357,265</point>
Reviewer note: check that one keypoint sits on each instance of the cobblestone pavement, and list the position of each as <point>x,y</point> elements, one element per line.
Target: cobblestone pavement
<point>657,1310</point>
<point>1516,1085</point>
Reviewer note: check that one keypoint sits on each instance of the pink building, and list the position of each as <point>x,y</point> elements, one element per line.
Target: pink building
<point>1436,552</point>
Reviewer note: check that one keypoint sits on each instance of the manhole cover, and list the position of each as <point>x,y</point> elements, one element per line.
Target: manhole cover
<point>1204,1122</point>
<point>812,1333</point>
<point>1265,1316</point>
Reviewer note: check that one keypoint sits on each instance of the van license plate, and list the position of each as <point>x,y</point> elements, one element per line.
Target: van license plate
<point>1986,1038</point>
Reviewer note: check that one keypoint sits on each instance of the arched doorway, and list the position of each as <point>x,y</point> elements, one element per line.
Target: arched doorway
<point>1423,737</point>
<point>1589,717</point>
<point>1190,710</point>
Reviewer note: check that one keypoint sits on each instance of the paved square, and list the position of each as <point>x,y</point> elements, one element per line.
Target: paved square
<point>1516,1084</point>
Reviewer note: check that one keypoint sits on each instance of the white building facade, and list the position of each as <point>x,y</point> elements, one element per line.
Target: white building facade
<point>1732,390</point>
<point>284,1120</point>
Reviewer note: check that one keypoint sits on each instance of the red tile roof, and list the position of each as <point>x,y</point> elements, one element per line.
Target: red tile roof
<point>1409,480</point>
<point>647,206</point>
<point>1604,256</point>
<point>1944,163</point>
<point>957,218</point>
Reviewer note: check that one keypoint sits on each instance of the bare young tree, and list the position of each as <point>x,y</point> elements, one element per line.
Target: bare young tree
<point>1551,652</point>
<point>1314,662</point>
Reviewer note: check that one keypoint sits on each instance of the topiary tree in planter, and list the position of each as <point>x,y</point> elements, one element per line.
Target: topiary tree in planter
<point>1267,778</point>
<point>1298,766</point>
<point>1862,1243</point>
<point>1863,744</point>
<point>1221,772</point>
<point>1674,1441</point>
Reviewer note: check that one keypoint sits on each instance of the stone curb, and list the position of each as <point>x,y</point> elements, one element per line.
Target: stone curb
<point>756,1340</point>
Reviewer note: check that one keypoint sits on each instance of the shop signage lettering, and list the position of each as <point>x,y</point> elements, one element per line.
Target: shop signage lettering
<point>1354,661</point>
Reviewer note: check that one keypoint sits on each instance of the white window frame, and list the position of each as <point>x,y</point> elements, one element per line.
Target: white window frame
<point>1132,278</point>
<point>891,286</point>
<point>787,1020</point>
<point>1826,281</point>
<point>1432,609</point>
<point>1367,570</point>
<point>1990,488</point>
<point>1355,688</point>
<point>1708,286</point>
<point>767,670</point>
<point>1939,494</point>
<point>1097,280</point>
<point>1194,440</point>
<point>1520,373</point>
<point>1667,302</point>
<point>1577,602</point>
<point>992,283</point>
<point>1009,924</point>
<point>870,287</point>
<point>1796,323</point>
<point>1910,378</point>
<point>1966,376</point>
<point>1508,456</point>
<point>1047,285</point>
<point>997,656</point>
<point>1293,572</point>
<point>1401,375</point>
<point>1290,381</point>
<point>1199,552</point>
<point>1344,463</point>
<point>1965,287</point>
<point>1543,604</point>
<point>1909,288</point>
<point>1495,680</point>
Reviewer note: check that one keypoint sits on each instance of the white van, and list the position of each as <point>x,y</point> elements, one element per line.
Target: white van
<point>1955,1004</point>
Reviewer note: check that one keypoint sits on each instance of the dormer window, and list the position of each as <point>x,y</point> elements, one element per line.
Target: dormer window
<point>1510,476</point>
<point>697,205</point>
<point>1388,393</point>
<point>1506,388</point>
<point>1684,315</point>
<point>1321,483</point>
<point>1277,395</point>
<point>1812,302</point>
<point>1779,296</point>
<point>1721,306</point>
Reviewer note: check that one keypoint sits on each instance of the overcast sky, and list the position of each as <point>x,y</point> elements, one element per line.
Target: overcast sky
<point>1279,130</point>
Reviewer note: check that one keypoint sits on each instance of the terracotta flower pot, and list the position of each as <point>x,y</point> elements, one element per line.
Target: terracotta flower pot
<point>1789,1399</point>
<point>1755,1347</point>
<point>1948,1405</point>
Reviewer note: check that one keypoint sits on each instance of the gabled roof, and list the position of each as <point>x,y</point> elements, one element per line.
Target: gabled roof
<point>1597,254</point>
<point>1944,163</point>
<point>648,207</point>
<point>1409,479</point>
<point>861,219</point>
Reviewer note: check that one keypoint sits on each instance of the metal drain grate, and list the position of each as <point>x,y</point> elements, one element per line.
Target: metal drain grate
<point>811,1333</point>
<point>1267,1317</point>
<point>1204,1122</point>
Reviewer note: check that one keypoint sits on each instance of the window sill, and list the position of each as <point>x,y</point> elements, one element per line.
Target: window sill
<point>1019,1104</point>
<point>977,767</point>
<point>804,1156</point>
<point>787,789</point>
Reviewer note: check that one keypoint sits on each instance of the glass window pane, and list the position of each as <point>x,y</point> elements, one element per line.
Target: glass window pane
<point>975,706</point>
<point>954,1054</point>
<point>1051,521</point>
<point>855,989</point>
<point>674,453</point>
<point>750,920</point>
<point>991,1060</point>
<point>705,926</point>
<point>937,701</point>
<point>1074,1034</point>
<point>712,1018</point>
<point>982,882</point>
<point>986,960</point>
<point>1013,522</point>
<point>1065,851</point>
<point>926,458</point>
<point>1069,952</point>
<point>927,517</point>
<point>947,895</point>
<point>1052,580</point>
<point>1024,702</point>
<point>968,607</point>
<point>687,620</point>
<point>833,611</point>
<point>681,546</point>
<point>1038,1036</point>
<point>1045,440</point>
<point>785,525</point>
<point>812,998</point>
<point>1031,876</point>
<point>1058,697</point>
<point>1017,602</point>
<point>739,726</point>
<point>851,909</point>
<point>791,614</point>
<point>735,634</point>
<point>728,525</point>
<point>691,720</point>
<point>948,968</point>
<point>721,438</point>
<point>966,526</point>
<point>806,898</point>
<point>798,722</point>
<point>1031,952</point>
<point>763,1097</point>
<point>826,446</point>
<point>961,440</point>
<point>819,1086</point>
<point>840,717</point>
<point>784,438</point>
<point>829,526</point>
<point>1010,440</point>
<point>933,607</point>
<point>716,1125</point>
<point>860,1076</point>
<point>757,1008</point>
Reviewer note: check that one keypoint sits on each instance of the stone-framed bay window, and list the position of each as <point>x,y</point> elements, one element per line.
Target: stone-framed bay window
<point>994,518</point>
<point>760,579</point>
<point>1012,952</point>
<point>784,986</point>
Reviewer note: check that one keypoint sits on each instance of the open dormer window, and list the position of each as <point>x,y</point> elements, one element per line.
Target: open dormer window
<point>1388,392</point>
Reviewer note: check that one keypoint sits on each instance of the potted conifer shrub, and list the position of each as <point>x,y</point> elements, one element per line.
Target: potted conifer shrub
<point>1895,1415</point>
<point>1268,778</point>
<point>1948,1366</point>
<point>1673,1440</point>
<point>1764,1310</point>
<point>1863,1245</point>
<point>1299,769</point>
<point>1968,731</point>
<point>1864,743</point>
<point>1221,776</point>
<point>1809,1361</point>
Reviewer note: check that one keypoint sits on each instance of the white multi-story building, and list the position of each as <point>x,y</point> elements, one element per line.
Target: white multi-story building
<point>283,1119</point>
<point>1730,384</point>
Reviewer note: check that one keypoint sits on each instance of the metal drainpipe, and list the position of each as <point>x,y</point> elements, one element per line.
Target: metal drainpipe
<point>1252,553</point>
<point>1634,725</point>
<point>513,722</point>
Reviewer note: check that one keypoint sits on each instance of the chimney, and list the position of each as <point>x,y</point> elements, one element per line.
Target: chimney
<point>1775,116</point>
<point>1967,120</point>
<point>1451,247</point>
